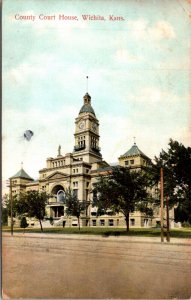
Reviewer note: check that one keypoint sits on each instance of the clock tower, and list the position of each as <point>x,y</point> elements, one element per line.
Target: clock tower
<point>87,134</point>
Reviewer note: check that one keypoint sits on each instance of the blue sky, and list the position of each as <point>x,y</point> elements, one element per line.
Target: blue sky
<point>139,77</point>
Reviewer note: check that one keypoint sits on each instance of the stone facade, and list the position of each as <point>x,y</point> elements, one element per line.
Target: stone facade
<point>79,171</point>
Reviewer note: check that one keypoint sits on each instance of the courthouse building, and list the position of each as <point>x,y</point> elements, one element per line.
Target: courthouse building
<point>79,170</point>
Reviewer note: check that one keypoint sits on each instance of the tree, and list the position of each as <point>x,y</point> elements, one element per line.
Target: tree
<point>121,191</point>
<point>6,203</point>
<point>4,215</point>
<point>33,204</point>
<point>74,207</point>
<point>176,163</point>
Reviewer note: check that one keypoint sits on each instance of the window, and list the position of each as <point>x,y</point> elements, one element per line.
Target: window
<point>74,170</point>
<point>93,213</point>
<point>75,193</point>
<point>87,171</point>
<point>87,184</point>
<point>132,222</point>
<point>110,222</point>
<point>93,222</point>
<point>146,222</point>
<point>126,162</point>
<point>102,222</point>
<point>94,196</point>
<point>132,161</point>
<point>75,184</point>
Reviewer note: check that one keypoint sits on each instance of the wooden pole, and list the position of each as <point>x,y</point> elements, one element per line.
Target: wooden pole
<point>11,200</point>
<point>162,203</point>
<point>167,220</point>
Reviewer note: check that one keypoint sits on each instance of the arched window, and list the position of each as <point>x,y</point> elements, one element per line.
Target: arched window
<point>60,196</point>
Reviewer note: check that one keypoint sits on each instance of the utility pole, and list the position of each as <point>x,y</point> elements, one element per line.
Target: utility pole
<point>11,200</point>
<point>167,220</point>
<point>161,203</point>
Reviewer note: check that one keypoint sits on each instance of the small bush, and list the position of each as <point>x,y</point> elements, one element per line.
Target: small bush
<point>24,223</point>
<point>186,224</point>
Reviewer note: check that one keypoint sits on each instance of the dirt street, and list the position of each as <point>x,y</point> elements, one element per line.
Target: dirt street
<point>37,267</point>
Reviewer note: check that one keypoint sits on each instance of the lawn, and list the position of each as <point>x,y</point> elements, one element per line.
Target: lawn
<point>145,232</point>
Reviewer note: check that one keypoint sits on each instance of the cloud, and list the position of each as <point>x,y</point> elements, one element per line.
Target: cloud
<point>123,56</point>
<point>140,29</point>
<point>182,63</point>
<point>162,30</point>
<point>50,130</point>
<point>20,75</point>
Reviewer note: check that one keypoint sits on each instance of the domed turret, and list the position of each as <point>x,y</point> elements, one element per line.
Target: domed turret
<point>87,108</point>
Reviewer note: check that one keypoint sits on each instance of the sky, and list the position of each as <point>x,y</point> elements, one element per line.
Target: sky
<point>139,77</point>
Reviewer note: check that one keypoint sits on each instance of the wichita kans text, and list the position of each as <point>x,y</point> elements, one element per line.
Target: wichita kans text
<point>62,17</point>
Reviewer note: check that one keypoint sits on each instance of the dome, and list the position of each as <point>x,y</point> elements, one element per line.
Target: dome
<point>87,108</point>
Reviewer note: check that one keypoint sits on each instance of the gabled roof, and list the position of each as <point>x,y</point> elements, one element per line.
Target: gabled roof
<point>134,151</point>
<point>22,174</point>
<point>56,173</point>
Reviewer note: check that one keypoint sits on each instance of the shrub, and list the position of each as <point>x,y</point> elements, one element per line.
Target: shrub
<point>24,223</point>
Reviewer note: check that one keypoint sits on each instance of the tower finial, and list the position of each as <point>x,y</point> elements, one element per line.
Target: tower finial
<point>87,83</point>
<point>134,140</point>
<point>21,165</point>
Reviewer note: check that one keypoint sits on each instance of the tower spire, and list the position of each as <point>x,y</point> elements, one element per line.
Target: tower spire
<point>134,140</point>
<point>87,84</point>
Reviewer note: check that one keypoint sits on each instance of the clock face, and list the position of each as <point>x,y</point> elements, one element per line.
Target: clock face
<point>82,125</point>
<point>94,127</point>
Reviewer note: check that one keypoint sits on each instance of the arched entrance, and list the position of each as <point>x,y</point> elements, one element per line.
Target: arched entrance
<point>57,207</point>
<point>58,193</point>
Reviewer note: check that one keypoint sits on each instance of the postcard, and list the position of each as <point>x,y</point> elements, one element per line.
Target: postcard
<point>83,84</point>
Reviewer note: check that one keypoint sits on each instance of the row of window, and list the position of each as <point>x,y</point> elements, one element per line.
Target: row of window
<point>58,163</point>
<point>93,142</point>
<point>111,222</point>
<point>129,162</point>
<point>102,222</point>
<point>14,181</point>
<point>132,161</point>
<point>81,138</point>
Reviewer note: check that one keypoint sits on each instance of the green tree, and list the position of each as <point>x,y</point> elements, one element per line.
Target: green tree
<point>176,164</point>
<point>16,205</point>
<point>74,207</point>
<point>33,204</point>
<point>122,191</point>
<point>4,215</point>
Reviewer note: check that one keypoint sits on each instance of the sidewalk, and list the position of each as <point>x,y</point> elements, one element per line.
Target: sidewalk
<point>86,237</point>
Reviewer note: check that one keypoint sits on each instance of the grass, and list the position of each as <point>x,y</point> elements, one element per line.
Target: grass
<point>144,232</point>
